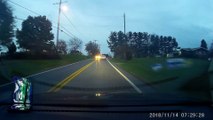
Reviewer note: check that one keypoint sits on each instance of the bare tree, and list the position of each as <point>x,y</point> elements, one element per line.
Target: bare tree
<point>75,45</point>
<point>62,47</point>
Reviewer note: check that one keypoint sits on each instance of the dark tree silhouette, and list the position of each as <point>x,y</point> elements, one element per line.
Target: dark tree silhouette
<point>12,48</point>
<point>203,44</point>
<point>36,36</point>
<point>92,48</point>
<point>140,44</point>
<point>6,24</point>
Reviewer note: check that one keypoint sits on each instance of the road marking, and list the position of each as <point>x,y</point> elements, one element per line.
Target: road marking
<point>61,84</point>
<point>127,79</point>
<point>51,69</point>
<point>72,76</point>
<point>6,84</point>
<point>56,68</point>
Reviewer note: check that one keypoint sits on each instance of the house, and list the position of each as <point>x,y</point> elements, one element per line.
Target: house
<point>195,52</point>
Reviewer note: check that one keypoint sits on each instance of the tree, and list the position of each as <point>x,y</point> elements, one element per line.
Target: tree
<point>75,45</point>
<point>203,44</point>
<point>6,24</point>
<point>122,47</point>
<point>62,47</point>
<point>140,44</point>
<point>119,44</point>
<point>92,48</point>
<point>113,42</point>
<point>155,44</point>
<point>12,48</point>
<point>36,36</point>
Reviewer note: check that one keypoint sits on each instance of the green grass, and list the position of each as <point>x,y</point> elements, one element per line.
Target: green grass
<point>211,66</point>
<point>10,68</point>
<point>181,79</point>
<point>142,68</point>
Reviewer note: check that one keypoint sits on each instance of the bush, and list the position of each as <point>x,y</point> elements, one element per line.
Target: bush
<point>75,52</point>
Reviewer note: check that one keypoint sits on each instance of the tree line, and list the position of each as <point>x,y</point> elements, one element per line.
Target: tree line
<point>36,38</point>
<point>140,44</point>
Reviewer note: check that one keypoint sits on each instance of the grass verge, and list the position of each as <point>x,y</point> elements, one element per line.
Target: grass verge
<point>191,77</point>
<point>9,68</point>
<point>142,68</point>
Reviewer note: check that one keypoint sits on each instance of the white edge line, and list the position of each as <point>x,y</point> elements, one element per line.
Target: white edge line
<point>6,84</point>
<point>50,70</point>
<point>127,79</point>
<point>41,73</point>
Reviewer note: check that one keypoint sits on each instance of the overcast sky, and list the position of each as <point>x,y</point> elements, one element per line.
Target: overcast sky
<point>188,21</point>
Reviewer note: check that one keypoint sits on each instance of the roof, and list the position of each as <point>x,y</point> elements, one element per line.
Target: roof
<point>194,49</point>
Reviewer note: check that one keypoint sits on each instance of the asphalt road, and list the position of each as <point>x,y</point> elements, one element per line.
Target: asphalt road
<point>58,86</point>
<point>88,76</point>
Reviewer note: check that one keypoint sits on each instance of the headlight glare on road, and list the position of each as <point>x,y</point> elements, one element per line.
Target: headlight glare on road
<point>97,94</point>
<point>97,57</point>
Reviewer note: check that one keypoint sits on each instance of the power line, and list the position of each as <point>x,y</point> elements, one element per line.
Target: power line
<point>11,16</point>
<point>22,19</point>
<point>23,7</point>
<point>17,18</point>
<point>52,26</point>
<point>105,16</point>
<point>67,31</point>
<point>72,23</point>
<point>64,31</point>
<point>70,35</point>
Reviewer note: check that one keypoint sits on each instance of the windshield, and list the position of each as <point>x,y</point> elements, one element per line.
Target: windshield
<point>136,51</point>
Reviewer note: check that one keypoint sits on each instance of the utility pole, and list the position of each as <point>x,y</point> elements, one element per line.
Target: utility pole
<point>124,23</point>
<point>58,25</point>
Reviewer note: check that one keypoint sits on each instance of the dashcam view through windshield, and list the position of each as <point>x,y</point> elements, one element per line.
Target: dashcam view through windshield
<point>83,59</point>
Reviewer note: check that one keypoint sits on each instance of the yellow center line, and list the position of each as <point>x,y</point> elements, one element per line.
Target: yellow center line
<point>58,86</point>
<point>74,75</point>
